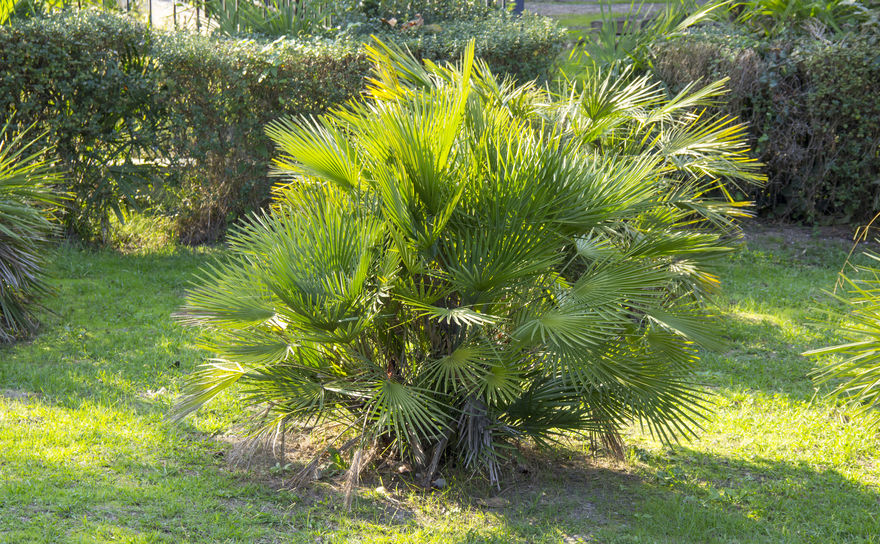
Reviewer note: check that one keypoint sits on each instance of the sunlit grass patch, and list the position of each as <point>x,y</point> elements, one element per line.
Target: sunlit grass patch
<point>86,453</point>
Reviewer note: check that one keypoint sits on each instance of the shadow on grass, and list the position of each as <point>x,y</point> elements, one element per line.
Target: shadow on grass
<point>691,496</point>
<point>108,333</point>
<point>682,496</point>
<point>761,355</point>
<point>775,307</point>
<point>113,339</point>
<point>176,487</point>
<point>687,496</point>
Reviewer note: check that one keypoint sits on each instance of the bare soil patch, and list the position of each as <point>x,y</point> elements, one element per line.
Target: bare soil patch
<point>15,394</point>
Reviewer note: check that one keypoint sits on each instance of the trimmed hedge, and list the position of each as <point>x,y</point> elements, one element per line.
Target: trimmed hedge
<point>523,46</point>
<point>85,80</point>
<point>176,120</point>
<point>220,95</point>
<point>431,11</point>
<point>812,109</point>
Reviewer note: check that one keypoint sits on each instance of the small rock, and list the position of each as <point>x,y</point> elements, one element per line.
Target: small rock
<point>150,394</point>
<point>495,502</point>
<point>439,483</point>
<point>381,490</point>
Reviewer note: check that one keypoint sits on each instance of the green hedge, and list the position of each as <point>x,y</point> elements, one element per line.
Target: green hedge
<point>523,46</point>
<point>813,111</point>
<point>220,94</point>
<point>176,120</point>
<point>85,81</point>
<point>431,11</point>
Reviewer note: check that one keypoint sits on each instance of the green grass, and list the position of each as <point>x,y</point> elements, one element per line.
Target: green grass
<point>87,456</point>
<point>577,26</point>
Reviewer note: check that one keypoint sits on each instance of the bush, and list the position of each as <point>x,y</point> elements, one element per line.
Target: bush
<point>432,11</point>
<point>175,121</point>
<point>627,41</point>
<point>272,17</point>
<point>88,81</point>
<point>26,204</point>
<point>220,95</point>
<point>524,46</point>
<point>458,263</point>
<point>810,104</point>
<point>773,17</point>
<point>121,104</point>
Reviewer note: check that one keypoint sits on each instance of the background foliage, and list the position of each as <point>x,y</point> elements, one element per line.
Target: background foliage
<point>220,94</point>
<point>809,102</point>
<point>174,121</point>
<point>525,47</point>
<point>87,81</point>
<point>802,75</point>
<point>431,11</point>
<point>774,17</point>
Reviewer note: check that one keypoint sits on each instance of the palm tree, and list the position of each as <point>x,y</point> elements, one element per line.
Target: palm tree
<point>26,227</point>
<point>460,262</point>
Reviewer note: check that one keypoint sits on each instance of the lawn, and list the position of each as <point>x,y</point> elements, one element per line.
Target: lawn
<point>86,454</point>
<point>577,26</point>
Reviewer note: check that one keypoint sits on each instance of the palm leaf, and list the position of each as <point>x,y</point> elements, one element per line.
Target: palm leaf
<point>27,203</point>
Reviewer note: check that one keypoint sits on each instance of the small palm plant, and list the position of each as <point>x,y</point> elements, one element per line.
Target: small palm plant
<point>856,371</point>
<point>26,227</point>
<point>629,39</point>
<point>271,17</point>
<point>773,16</point>
<point>458,263</point>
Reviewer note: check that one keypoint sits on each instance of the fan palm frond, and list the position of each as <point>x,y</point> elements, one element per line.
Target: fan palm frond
<point>27,201</point>
<point>855,373</point>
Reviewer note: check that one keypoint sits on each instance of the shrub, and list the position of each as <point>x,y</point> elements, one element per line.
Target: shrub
<point>628,40</point>
<point>13,10</point>
<point>459,262</point>
<point>432,11</point>
<point>276,18</point>
<point>810,106</point>
<point>272,17</point>
<point>145,119</point>
<point>87,80</point>
<point>220,94</point>
<point>523,46</point>
<point>175,121</point>
<point>27,200</point>
<point>773,17</point>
